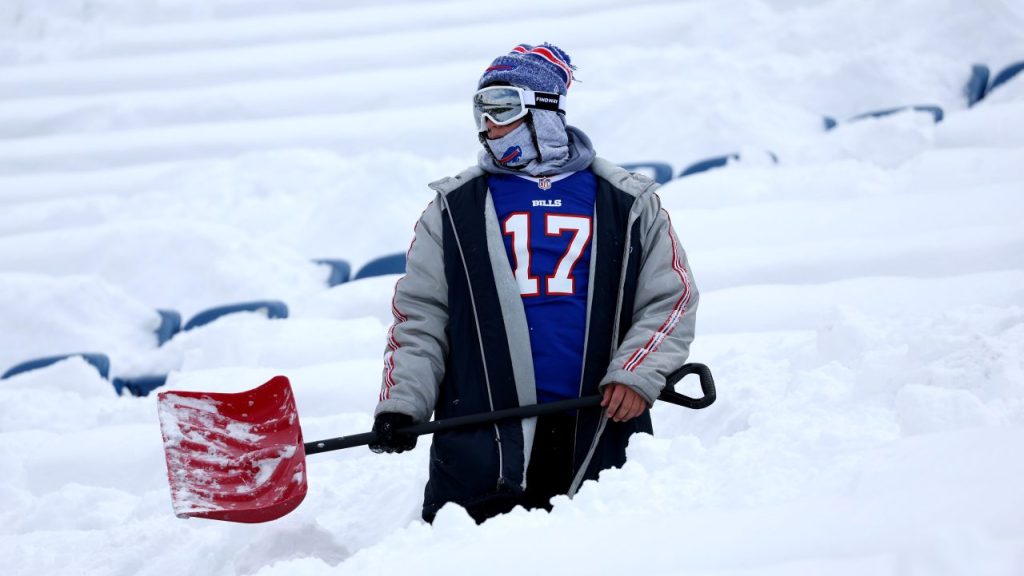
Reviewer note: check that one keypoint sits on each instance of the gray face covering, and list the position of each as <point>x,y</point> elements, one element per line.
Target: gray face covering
<point>561,150</point>
<point>514,150</point>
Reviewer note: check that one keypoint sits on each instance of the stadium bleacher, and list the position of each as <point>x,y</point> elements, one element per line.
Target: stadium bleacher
<point>976,88</point>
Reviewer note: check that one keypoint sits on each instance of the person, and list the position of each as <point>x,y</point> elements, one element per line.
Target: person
<point>542,273</point>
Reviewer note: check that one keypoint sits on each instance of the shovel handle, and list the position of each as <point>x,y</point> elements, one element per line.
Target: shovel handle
<point>707,387</point>
<point>668,394</point>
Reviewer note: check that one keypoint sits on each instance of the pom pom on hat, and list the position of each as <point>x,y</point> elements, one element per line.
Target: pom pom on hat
<point>544,68</point>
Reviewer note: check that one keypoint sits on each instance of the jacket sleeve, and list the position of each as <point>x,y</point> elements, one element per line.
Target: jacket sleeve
<point>664,313</point>
<point>414,359</point>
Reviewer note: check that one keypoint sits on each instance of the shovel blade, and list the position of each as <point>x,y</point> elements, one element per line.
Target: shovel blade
<point>235,457</point>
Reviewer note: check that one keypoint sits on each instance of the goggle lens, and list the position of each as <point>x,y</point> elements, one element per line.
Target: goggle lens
<point>506,104</point>
<point>503,105</point>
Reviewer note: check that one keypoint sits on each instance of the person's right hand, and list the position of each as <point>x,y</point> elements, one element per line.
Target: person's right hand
<point>390,439</point>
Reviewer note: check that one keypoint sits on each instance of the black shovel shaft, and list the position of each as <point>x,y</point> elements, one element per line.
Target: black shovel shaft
<point>707,385</point>
<point>457,422</point>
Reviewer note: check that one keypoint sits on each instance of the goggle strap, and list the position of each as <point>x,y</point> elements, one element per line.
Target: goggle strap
<point>544,101</point>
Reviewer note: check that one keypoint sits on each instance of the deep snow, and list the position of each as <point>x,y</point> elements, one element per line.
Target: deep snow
<point>862,300</point>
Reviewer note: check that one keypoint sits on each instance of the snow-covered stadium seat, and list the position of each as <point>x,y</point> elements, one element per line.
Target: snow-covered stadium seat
<point>720,161</point>
<point>138,385</point>
<point>98,361</point>
<point>935,111</point>
<point>1005,74</point>
<point>390,264</point>
<point>341,271</point>
<point>976,85</point>
<point>660,171</point>
<point>170,324</point>
<point>708,164</point>
<point>272,308</point>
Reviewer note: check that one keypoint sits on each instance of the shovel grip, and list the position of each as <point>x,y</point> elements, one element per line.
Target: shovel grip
<point>707,387</point>
<point>668,394</point>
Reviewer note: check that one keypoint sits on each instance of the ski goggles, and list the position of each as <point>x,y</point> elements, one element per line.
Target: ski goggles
<point>504,105</point>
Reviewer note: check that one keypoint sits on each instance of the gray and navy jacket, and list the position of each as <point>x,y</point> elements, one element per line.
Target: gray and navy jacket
<point>460,342</point>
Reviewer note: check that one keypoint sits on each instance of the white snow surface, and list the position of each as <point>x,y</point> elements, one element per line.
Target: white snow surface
<point>862,300</point>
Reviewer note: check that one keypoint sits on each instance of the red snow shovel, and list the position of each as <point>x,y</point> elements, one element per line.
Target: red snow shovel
<point>240,457</point>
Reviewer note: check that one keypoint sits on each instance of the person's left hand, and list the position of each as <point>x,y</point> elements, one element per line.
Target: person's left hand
<point>622,402</point>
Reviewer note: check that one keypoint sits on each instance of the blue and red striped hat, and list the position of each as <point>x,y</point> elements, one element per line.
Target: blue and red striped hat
<point>544,68</point>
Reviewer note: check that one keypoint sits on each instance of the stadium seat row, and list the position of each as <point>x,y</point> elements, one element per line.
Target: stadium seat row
<point>134,385</point>
<point>341,270</point>
<point>936,113</point>
<point>170,324</point>
<point>978,85</point>
<point>662,172</point>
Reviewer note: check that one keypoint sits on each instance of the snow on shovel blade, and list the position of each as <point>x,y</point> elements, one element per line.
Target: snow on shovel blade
<point>235,457</point>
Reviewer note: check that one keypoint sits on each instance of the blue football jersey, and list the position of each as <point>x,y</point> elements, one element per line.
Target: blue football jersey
<point>547,225</point>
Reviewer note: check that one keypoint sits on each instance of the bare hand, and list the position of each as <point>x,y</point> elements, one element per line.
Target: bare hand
<point>622,402</point>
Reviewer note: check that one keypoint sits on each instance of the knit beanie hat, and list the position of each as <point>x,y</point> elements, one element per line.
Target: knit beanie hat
<point>544,68</point>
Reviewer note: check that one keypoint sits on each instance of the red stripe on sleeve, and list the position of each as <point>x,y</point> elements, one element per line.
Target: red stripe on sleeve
<point>674,316</point>
<point>393,344</point>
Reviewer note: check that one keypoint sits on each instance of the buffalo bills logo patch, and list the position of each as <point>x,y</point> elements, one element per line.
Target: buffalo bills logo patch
<point>511,155</point>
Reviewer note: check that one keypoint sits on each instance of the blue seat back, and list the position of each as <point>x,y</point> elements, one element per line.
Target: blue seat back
<point>935,111</point>
<point>98,361</point>
<point>170,324</point>
<point>341,271</point>
<point>272,308</point>
<point>975,88</point>
<point>390,264</point>
<point>139,385</point>
<point>708,164</point>
<point>1005,74</point>
<point>660,171</point>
